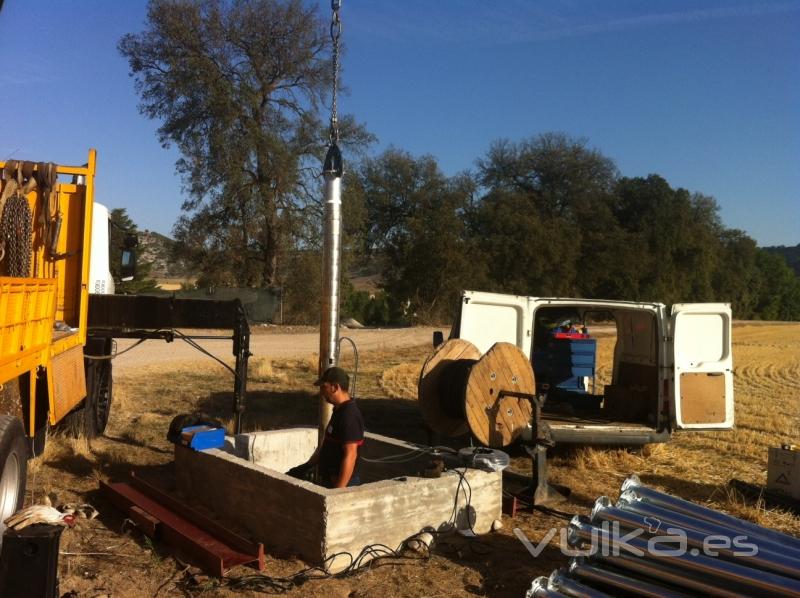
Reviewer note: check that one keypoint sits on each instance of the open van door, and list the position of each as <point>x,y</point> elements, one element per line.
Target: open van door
<point>489,318</point>
<point>702,366</point>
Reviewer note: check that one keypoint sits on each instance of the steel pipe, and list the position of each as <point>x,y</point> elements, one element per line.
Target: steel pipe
<point>582,570</point>
<point>331,258</point>
<point>632,487</point>
<point>561,583</point>
<point>755,580</point>
<point>767,554</point>
<point>695,542</point>
<point>706,586</point>
<point>540,589</point>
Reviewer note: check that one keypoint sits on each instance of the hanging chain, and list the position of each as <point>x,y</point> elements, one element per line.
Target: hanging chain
<point>336,32</point>
<point>16,228</point>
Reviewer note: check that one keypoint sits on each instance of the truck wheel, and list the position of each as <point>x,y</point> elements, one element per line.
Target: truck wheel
<point>101,389</point>
<point>91,418</point>
<point>13,467</point>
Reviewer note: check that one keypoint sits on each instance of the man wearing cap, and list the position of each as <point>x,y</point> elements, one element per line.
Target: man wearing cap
<point>338,456</point>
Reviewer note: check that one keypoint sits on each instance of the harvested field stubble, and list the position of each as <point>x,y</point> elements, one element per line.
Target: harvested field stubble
<point>105,556</point>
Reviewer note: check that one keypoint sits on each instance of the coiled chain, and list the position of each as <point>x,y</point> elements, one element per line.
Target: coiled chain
<point>16,227</point>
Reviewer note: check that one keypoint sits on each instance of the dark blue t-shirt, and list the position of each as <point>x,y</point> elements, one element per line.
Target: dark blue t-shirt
<point>346,426</point>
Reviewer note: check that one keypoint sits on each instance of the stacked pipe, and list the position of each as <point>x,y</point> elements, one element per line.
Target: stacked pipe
<point>654,544</point>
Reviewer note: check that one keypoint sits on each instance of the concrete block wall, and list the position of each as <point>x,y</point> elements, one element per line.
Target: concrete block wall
<point>298,517</point>
<point>284,513</point>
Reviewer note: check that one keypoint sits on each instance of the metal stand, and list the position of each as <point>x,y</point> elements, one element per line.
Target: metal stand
<point>539,491</point>
<point>146,317</point>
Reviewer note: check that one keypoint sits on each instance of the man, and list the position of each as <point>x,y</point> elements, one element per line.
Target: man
<point>337,458</point>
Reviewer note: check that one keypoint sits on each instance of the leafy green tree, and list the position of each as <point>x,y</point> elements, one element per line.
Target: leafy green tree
<point>778,288</point>
<point>560,175</point>
<point>238,87</point>
<point>524,252</point>
<point>121,227</point>
<point>414,218</point>
<point>545,219</point>
<point>736,277</point>
<point>790,254</point>
<point>678,235</point>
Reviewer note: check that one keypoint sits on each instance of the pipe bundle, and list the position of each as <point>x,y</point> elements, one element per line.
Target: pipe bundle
<point>654,544</point>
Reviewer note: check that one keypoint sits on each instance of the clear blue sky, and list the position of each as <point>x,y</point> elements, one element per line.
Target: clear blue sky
<point>706,94</point>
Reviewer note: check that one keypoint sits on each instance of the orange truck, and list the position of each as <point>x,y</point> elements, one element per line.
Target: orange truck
<point>53,254</point>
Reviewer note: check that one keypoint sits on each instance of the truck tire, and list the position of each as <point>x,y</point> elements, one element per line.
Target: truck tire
<point>13,467</point>
<point>91,418</point>
<point>101,387</point>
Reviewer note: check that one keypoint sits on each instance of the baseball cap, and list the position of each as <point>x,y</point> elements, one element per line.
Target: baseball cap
<point>334,375</point>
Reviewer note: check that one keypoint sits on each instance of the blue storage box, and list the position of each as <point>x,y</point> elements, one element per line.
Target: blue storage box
<point>202,437</point>
<point>565,362</point>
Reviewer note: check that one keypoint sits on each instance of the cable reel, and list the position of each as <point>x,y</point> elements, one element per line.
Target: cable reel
<point>462,391</point>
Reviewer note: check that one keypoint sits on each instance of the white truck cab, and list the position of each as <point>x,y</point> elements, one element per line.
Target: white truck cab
<point>672,367</point>
<point>100,280</point>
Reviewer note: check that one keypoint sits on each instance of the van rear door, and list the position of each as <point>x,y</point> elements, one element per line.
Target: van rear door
<point>489,318</point>
<point>702,366</point>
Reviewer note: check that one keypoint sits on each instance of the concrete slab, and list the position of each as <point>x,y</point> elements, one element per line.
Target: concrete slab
<point>244,482</point>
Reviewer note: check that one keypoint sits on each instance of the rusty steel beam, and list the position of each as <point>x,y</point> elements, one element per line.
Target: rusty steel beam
<point>215,548</point>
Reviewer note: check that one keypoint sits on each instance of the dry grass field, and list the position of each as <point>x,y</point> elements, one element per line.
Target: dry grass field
<point>105,557</point>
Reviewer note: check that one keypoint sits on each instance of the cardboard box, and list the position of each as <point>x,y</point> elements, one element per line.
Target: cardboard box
<point>783,471</point>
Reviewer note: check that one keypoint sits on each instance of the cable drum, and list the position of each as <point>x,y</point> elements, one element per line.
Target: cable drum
<point>453,385</point>
<point>438,398</point>
<point>462,391</point>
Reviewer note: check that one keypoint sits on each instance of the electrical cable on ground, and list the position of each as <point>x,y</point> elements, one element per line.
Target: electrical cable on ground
<point>372,556</point>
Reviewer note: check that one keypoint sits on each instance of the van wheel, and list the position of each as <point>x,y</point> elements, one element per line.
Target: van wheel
<point>13,467</point>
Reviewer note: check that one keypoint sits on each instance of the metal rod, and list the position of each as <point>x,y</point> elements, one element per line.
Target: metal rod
<point>763,547</point>
<point>696,541</point>
<point>706,586</point>
<point>540,589</point>
<point>331,256</point>
<point>561,583</point>
<point>579,568</point>
<point>635,489</point>
<point>752,580</point>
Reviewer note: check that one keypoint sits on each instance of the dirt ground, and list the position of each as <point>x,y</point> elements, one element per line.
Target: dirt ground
<point>107,557</point>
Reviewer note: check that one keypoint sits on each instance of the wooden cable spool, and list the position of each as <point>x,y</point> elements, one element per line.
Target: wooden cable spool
<point>460,391</point>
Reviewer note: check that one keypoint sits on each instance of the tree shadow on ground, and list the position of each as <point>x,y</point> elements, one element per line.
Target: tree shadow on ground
<point>505,567</point>
<point>683,488</point>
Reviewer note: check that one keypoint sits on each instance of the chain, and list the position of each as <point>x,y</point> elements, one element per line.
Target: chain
<point>336,32</point>
<point>16,230</point>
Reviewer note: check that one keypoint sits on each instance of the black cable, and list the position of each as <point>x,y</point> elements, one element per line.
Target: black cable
<point>189,341</point>
<point>378,553</point>
<point>116,353</point>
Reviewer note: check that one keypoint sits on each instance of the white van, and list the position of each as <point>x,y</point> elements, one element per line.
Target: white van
<point>672,367</point>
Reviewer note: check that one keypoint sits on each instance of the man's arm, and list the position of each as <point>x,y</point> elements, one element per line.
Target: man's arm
<point>350,450</point>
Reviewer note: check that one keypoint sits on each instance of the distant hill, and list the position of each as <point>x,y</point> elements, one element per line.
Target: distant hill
<point>156,249</point>
<point>790,254</point>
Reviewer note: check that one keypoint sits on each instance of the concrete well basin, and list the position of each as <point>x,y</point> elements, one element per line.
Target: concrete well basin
<point>244,483</point>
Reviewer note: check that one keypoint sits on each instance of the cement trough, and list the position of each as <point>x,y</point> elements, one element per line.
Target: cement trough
<point>244,483</point>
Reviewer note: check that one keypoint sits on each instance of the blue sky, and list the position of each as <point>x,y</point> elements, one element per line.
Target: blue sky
<point>706,94</point>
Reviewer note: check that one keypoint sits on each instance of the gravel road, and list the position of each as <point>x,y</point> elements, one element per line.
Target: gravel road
<point>266,344</point>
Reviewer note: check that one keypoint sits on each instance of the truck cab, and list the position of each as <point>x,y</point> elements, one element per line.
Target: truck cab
<point>670,367</point>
